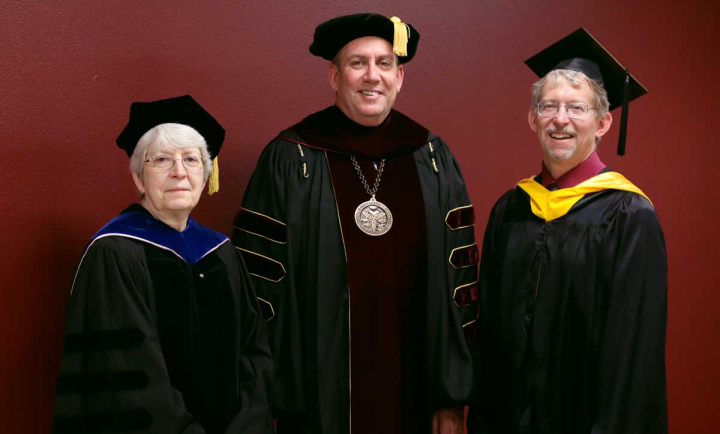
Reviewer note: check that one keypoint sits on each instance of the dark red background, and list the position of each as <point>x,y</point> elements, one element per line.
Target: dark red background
<point>68,74</point>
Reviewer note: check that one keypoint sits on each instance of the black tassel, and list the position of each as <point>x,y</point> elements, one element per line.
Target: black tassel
<point>624,116</point>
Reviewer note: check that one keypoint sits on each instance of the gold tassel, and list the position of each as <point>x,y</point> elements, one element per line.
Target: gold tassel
<point>214,184</point>
<point>401,36</point>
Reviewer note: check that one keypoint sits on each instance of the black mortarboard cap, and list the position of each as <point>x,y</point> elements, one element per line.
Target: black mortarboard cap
<point>579,51</point>
<point>179,110</point>
<point>334,34</point>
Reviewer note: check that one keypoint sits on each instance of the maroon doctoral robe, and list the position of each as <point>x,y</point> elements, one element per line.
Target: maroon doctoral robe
<point>385,273</point>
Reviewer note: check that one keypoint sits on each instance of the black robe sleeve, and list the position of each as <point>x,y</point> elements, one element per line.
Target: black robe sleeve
<point>631,395</point>
<point>452,276</point>
<point>112,375</point>
<point>271,195</point>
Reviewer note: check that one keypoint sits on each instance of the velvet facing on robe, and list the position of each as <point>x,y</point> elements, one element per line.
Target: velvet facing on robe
<point>460,218</point>
<point>466,294</point>
<point>464,256</point>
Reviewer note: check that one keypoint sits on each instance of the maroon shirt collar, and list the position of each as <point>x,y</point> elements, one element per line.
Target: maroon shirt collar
<point>582,172</point>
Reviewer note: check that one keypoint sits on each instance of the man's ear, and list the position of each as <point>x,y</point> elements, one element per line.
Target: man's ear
<point>532,118</point>
<point>400,75</point>
<point>333,75</point>
<point>603,125</point>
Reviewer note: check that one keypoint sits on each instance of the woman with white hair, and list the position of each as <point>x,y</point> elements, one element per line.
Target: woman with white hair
<point>164,333</point>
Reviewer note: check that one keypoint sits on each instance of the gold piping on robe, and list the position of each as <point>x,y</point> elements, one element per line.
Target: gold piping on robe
<point>432,157</point>
<point>447,216</point>
<point>342,236</point>
<point>259,235</point>
<point>304,164</point>
<point>450,259</point>
<point>459,288</point>
<point>265,230</point>
<point>272,311</point>
<point>263,215</point>
<point>284,272</point>
<point>470,331</point>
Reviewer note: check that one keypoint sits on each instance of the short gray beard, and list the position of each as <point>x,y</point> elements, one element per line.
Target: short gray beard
<point>564,157</point>
<point>552,154</point>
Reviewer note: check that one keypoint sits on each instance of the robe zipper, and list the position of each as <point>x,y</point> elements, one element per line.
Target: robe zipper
<point>542,259</point>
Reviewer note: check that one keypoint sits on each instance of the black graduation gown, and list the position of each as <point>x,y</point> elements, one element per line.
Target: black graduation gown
<point>159,343</point>
<point>296,246</point>
<point>572,319</point>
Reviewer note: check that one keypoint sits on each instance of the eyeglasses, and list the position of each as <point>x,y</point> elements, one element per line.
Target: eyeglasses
<point>574,110</point>
<point>165,162</point>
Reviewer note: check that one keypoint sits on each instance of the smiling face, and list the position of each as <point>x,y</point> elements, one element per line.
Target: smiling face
<point>171,195</point>
<point>563,139</point>
<point>366,80</point>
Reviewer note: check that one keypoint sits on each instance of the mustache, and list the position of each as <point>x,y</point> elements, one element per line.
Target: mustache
<point>566,129</point>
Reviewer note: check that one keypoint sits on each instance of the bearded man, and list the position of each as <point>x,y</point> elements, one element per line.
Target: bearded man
<point>573,280</point>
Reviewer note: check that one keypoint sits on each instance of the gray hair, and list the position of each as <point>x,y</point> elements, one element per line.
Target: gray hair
<point>574,78</point>
<point>167,137</point>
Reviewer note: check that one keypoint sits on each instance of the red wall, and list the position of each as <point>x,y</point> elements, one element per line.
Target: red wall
<point>68,75</point>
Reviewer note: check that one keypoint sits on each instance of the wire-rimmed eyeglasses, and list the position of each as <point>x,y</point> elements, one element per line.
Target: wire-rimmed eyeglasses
<point>574,110</point>
<point>166,163</point>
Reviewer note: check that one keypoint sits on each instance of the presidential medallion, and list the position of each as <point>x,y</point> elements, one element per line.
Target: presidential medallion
<point>373,217</point>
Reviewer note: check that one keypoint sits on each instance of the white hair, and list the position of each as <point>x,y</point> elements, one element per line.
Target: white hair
<point>166,138</point>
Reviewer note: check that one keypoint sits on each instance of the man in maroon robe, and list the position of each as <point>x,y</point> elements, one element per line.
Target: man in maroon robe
<point>359,231</point>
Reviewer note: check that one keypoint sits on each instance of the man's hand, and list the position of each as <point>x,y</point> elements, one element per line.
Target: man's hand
<point>449,421</point>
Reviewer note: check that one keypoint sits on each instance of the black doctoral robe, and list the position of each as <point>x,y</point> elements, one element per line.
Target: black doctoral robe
<point>368,332</point>
<point>572,318</point>
<point>163,334</point>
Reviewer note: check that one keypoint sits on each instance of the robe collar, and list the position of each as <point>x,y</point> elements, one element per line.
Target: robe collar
<point>582,172</point>
<point>192,244</point>
<point>331,130</point>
